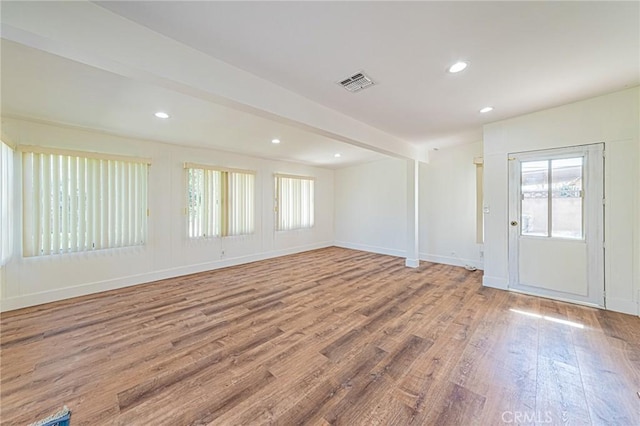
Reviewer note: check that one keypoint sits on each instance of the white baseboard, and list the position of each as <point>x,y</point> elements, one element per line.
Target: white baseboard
<point>34,299</point>
<point>624,306</point>
<point>455,261</point>
<point>372,249</point>
<point>495,282</point>
<point>618,305</point>
<point>412,263</point>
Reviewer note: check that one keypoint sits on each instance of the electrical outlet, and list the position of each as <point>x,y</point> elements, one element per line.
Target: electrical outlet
<point>222,253</point>
<point>481,254</point>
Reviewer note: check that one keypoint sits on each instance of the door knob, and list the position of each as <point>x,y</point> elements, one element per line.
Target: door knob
<point>514,223</point>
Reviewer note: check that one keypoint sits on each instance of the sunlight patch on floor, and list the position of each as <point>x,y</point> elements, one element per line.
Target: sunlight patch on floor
<point>544,317</point>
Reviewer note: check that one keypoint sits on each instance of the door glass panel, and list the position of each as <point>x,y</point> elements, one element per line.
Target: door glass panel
<point>566,198</point>
<point>535,198</point>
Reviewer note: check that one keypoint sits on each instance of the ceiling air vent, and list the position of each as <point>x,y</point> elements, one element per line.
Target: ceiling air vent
<point>357,82</point>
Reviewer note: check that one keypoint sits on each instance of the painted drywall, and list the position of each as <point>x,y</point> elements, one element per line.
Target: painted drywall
<point>371,207</point>
<point>613,119</point>
<point>159,60</point>
<point>168,252</point>
<point>448,207</point>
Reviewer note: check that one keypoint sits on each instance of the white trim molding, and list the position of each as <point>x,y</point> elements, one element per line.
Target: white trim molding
<point>34,299</point>
<point>454,261</point>
<point>501,283</point>
<point>372,249</point>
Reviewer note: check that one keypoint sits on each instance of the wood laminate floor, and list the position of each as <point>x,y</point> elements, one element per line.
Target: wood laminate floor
<point>332,336</point>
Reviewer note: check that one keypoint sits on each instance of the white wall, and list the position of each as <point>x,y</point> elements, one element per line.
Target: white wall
<point>613,119</point>
<point>168,252</point>
<point>371,207</point>
<point>448,207</point>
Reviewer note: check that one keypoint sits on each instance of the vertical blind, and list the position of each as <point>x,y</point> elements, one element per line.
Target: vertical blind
<point>6,202</point>
<point>479,162</point>
<point>294,202</point>
<point>241,210</point>
<point>78,203</point>
<point>221,202</point>
<point>203,191</point>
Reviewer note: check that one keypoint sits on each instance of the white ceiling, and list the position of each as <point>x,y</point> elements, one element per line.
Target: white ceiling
<point>39,85</point>
<point>524,56</point>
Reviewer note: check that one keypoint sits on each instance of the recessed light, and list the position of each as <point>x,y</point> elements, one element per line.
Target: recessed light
<point>161,114</point>
<point>337,155</point>
<point>486,109</point>
<point>275,141</point>
<point>458,66</point>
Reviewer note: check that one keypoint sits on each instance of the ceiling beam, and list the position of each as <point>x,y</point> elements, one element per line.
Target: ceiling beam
<point>88,34</point>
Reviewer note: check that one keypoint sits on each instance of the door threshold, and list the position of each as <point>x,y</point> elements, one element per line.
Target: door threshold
<point>558,299</point>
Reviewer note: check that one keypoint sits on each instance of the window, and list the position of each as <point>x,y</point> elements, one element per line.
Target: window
<point>6,202</point>
<point>221,202</point>
<point>203,192</point>
<point>479,162</point>
<point>552,198</point>
<point>294,202</point>
<point>77,202</point>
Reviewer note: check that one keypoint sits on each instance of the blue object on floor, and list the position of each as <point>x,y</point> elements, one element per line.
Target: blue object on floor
<point>61,418</point>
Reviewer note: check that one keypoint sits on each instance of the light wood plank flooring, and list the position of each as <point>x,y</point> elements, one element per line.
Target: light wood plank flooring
<point>332,336</point>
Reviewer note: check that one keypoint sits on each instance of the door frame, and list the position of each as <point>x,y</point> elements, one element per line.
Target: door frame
<point>593,216</point>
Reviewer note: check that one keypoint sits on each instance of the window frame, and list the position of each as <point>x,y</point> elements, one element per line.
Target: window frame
<point>550,199</point>
<point>95,224</point>
<point>479,163</point>
<point>278,207</point>
<point>7,200</point>
<point>225,204</point>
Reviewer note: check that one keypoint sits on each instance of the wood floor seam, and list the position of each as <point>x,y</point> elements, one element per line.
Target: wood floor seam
<point>329,336</point>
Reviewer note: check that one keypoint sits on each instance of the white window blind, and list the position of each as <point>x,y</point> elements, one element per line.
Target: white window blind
<point>479,162</point>
<point>6,202</point>
<point>75,202</point>
<point>241,203</point>
<point>221,202</point>
<point>203,191</point>
<point>294,202</point>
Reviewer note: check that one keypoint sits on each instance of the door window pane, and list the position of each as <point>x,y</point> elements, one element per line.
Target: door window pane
<point>566,195</point>
<point>535,198</point>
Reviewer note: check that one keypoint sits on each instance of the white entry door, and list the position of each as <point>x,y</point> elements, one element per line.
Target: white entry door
<point>556,211</point>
